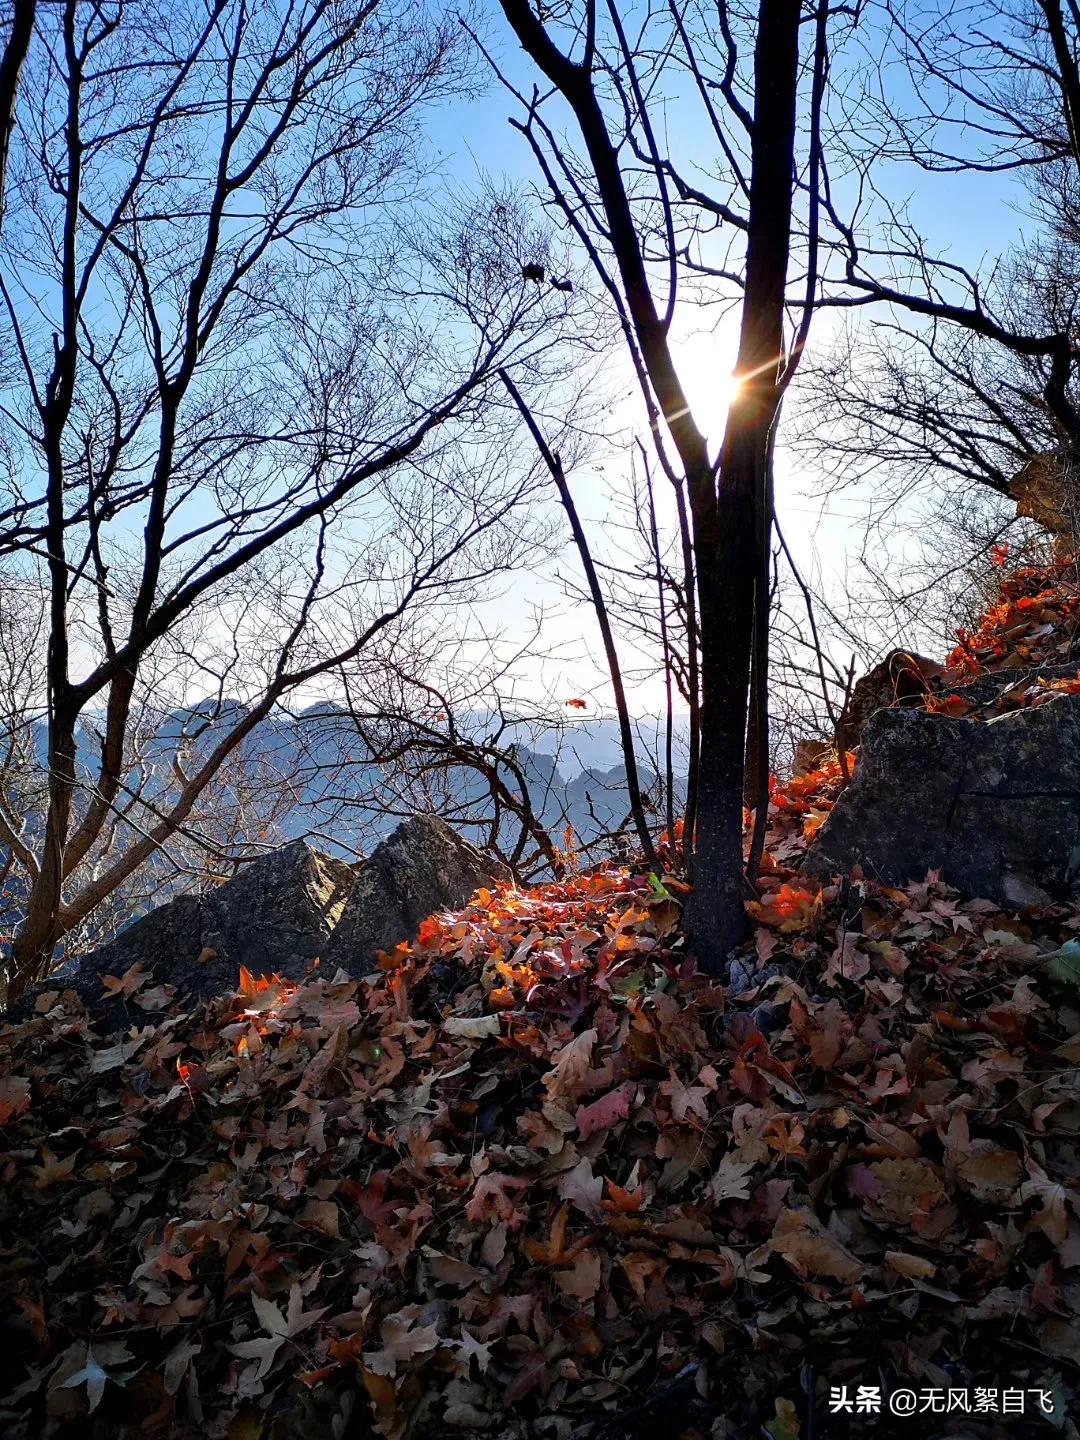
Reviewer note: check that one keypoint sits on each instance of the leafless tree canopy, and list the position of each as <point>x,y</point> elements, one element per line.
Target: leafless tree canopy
<point>272,390</point>
<point>955,378</point>
<point>238,318</point>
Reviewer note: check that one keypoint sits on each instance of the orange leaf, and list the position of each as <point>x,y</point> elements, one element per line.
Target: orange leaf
<point>551,1250</point>
<point>622,1202</point>
<point>311,1378</point>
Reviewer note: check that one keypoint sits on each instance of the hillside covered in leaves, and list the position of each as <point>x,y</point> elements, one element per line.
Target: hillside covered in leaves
<point>539,1178</point>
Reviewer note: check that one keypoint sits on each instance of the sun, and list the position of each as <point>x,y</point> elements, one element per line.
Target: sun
<point>704,361</point>
<point>729,388</point>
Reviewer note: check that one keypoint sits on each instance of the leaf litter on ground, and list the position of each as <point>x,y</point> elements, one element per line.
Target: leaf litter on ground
<point>537,1176</point>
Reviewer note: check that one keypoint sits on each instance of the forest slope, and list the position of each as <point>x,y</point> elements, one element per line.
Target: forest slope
<point>538,1177</point>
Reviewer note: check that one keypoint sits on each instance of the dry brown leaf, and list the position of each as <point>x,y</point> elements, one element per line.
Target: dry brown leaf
<point>800,1239</point>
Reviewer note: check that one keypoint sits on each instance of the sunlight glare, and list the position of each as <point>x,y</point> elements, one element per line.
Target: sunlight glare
<point>705,362</point>
<point>729,388</point>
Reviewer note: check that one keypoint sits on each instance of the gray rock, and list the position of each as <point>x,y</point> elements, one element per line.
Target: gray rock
<point>995,807</point>
<point>423,867</point>
<point>994,686</point>
<point>275,916</point>
<point>903,677</point>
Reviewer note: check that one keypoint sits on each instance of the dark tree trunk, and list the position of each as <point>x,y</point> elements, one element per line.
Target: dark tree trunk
<point>715,917</point>
<point>36,939</point>
<point>733,560</point>
<point>11,64</point>
<point>730,523</point>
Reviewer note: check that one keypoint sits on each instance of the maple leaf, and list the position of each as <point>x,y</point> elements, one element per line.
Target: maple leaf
<point>14,1097</point>
<point>93,1374</point>
<point>602,1114</point>
<point>581,1187</point>
<point>320,1064</point>
<point>802,1240</point>
<point>955,705</point>
<point>132,979</point>
<point>370,1199</point>
<point>785,1134</point>
<point>622,1202</point>
<point>826,1029</point>
<point>155,998</point>
<point>51,1170</point>
<point>402,1340</point>
<point>549,1251</point>
<point>383,1396</point>
<point>847,962</point>
<point>642,1270</point>
<point>320,1215</point>
<point>279,1328</point>
<point>111,1058</point>
<point>469,1349</point>
<point>787,909</point>
<point>583,1280</point>
<point>686,1099</point>
<point>1052,1219</point>
<point>449,1271</point>
<point>572,1072</point>
<point>490,1201</point>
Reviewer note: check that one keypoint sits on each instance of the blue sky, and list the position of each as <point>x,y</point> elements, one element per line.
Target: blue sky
<point>968,218</point>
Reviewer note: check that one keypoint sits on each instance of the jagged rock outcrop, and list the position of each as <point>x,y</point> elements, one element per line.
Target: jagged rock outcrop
<point>423,867</point>
<point>994,807</point>
<point>275,916</point>
<point>902,678</point>
<point>281,913</point>
<point>1047,490</point>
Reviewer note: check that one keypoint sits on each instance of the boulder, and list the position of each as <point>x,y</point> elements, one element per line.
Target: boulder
<point>275,916</point>
<point>280,913</point>
<point>902,678</point>
<point>1047,490</point>
<point>994,807</point>
<point>423,867</point>
<point>810,755</point>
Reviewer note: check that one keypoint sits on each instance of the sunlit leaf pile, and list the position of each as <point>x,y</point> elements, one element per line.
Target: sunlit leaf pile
<point>537,1174</point>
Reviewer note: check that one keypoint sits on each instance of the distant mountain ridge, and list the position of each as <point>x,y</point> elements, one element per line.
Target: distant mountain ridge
<point>575,772</point>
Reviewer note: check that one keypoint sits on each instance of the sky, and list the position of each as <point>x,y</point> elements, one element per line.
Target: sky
<point>475,142</point>
<point>968,217</point>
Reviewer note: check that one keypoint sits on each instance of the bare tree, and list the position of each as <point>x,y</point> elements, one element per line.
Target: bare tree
<point>972,376</point>
<point>236,326</point>
<point>12,58</point>
<point>469,736</point>
<point>655,227</point>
